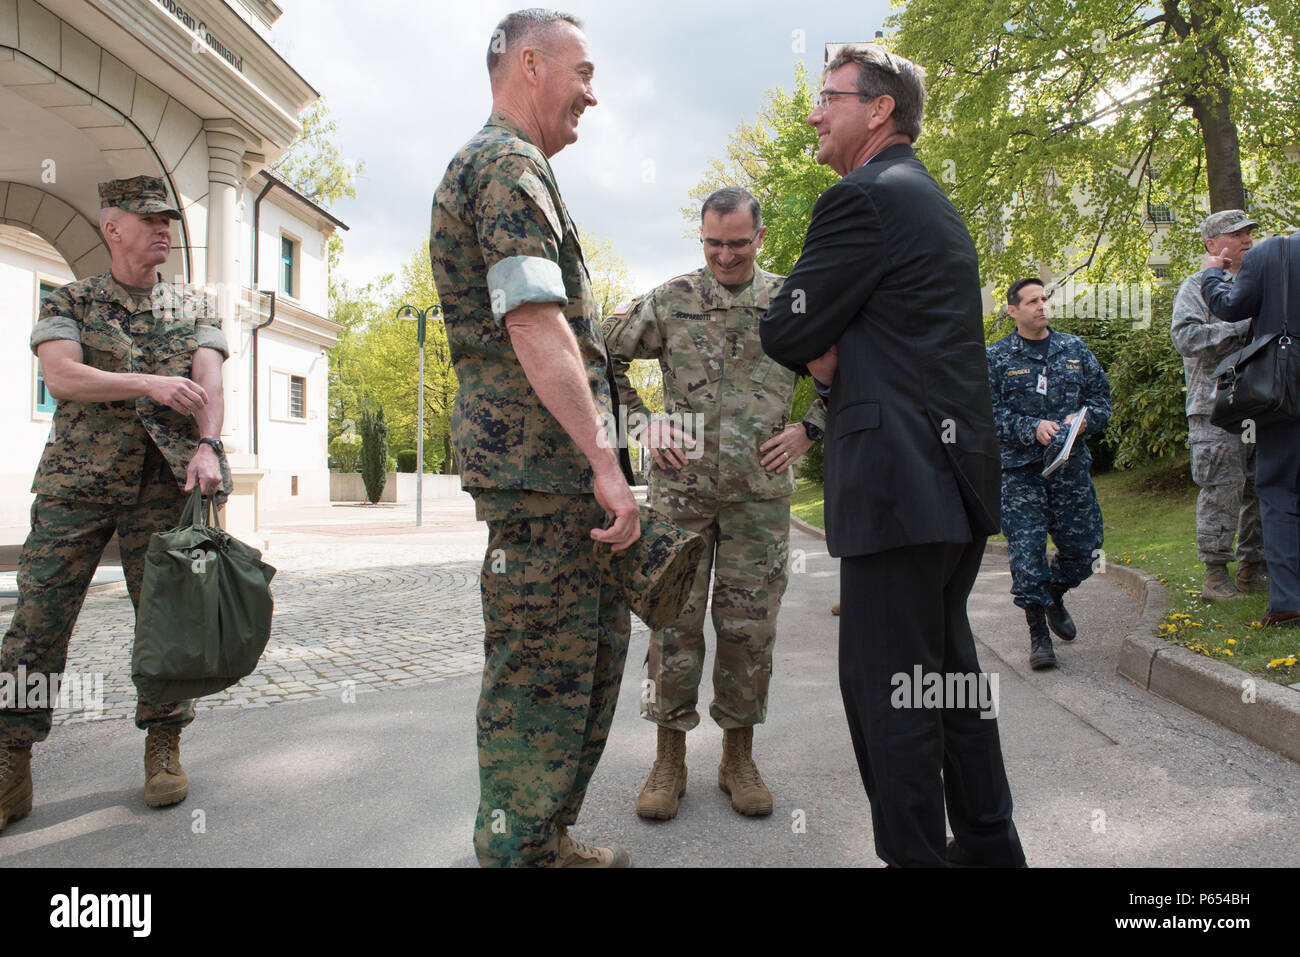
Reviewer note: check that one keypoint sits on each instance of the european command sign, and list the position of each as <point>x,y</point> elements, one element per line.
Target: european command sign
<point>201,34</point>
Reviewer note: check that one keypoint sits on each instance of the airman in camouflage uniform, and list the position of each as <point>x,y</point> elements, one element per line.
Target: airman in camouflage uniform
<point>504,249</point>
<point>730,482</point>
<point>1223,465</point>
<point>124,440</point>
<point>1039,379</point>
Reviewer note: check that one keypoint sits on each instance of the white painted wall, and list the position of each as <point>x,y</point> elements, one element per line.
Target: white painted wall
<point>25,429</point>
<point>312,289</point>
<point>286,446</point>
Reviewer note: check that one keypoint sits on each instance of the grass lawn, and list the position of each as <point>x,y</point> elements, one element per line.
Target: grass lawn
<point>1150,523</point>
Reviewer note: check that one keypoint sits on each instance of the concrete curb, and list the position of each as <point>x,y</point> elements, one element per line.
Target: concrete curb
<point>812,530</point>
<point>1267,713</point>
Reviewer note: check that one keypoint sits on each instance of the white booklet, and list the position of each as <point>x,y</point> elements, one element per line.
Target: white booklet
<point>1075,425</point>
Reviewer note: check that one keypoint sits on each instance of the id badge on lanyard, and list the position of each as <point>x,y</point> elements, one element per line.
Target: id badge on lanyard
<point>1042,384</point>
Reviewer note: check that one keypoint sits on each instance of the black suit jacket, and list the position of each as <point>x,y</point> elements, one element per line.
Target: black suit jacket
<point>890,275</point>
<point>1257,290</point>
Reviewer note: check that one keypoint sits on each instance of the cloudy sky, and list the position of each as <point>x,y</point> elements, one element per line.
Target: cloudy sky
<point>407,84</point>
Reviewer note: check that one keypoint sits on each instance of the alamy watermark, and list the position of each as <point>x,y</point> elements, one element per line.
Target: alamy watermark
<point>687,427</point>
<point>70,690</point>
<point>956,690</point>
<point>1104,300</point>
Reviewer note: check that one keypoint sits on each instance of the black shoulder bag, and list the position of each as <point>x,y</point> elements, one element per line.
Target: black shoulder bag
<point>1260,382</point>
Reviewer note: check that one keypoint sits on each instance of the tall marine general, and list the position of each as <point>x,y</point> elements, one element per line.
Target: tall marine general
<point>524,330</point>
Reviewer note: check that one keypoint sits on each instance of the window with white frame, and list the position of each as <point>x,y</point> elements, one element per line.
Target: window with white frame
<point>290,266</point>
<point>288,396</point>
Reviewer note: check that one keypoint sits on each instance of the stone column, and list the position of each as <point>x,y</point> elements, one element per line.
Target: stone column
<point>226,150</point>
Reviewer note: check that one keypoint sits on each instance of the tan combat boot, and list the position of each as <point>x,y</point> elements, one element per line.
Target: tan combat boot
<point>739,777</point>
<point>1217,586</point>
<point>15,784</point>
<point>835,609</point>
<point>164,778</point>
<point>667,782</point>
<point>1252,576</point>
<point>574,854</point>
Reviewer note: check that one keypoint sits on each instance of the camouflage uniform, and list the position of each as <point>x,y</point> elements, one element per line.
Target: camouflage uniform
<point>555,633</point>
<point>707,343</point>
<point>1222,464</point>
<point>1063,504</point>
<point>107,467</point>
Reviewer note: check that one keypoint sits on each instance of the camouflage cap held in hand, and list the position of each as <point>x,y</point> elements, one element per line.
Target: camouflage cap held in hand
<point>145,195</point>
<point>655,573</point>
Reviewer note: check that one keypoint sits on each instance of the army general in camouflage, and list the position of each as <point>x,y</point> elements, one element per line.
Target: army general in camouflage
<point>524,332</point>
<point>1040,379</point>
<point>1222,464</point>
<point>724,460</point>
<point>136,368</point>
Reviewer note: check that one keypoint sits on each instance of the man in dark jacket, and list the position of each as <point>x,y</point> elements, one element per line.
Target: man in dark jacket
<point>1268,288</point>
<point>883,308</point>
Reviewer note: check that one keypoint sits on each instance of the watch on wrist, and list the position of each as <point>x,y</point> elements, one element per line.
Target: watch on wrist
<point>813,432</point>
<point>215,444</point>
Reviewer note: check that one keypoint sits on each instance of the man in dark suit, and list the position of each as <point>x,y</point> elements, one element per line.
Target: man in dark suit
<point>1268,288</point>
<point>884,310</point>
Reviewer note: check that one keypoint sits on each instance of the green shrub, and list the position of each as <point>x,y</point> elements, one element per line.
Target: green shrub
<point>434,455</point>
<point>345,451</point>
<point>375,460</point>
<point>406,460</point>
<point>812,464</point>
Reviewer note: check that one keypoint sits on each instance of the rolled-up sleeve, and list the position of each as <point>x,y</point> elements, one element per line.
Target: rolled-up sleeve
<point>55,327</point>
<point>208,335</point>
<point>519,231</point>
<point>55,320</point>
<point>520,279</point>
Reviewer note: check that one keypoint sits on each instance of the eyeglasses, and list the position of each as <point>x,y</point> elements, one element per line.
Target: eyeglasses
<point>735,245</point>
<point>824,98</point>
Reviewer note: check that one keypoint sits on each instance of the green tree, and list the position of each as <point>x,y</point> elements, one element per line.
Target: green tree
<point>611,282</point>
<point>1059,128</point>
<point>314,167</point>
<point>374,451</point>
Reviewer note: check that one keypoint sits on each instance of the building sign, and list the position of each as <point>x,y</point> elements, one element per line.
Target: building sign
<point>202,38</point>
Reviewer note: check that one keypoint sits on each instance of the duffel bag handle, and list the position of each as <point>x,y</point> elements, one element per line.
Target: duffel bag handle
<point>198,510</point>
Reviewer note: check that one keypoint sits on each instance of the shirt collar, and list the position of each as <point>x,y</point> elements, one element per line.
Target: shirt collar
<point>714,295</point>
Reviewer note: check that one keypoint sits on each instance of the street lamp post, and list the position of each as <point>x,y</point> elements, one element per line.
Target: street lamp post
<point>419,315</point>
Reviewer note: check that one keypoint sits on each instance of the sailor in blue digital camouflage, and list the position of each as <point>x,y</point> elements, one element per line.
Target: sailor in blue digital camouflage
<point>1040,380</point>
<point>724,467</point>
<point>136,368</point>
<point>1223,464</point>
<point>524,333</point>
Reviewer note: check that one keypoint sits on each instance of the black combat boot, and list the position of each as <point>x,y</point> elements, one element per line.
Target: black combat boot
<point>1040,642</point>
<point>1060,620</point>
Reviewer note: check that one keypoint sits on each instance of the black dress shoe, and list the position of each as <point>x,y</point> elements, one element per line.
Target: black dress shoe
<point>958,857</point>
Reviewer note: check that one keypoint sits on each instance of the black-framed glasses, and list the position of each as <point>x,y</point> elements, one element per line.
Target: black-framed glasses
<point>735,245</point>
<point>824,97</point>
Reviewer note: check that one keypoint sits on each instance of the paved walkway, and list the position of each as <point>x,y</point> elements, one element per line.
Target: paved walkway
<point>292,768</point>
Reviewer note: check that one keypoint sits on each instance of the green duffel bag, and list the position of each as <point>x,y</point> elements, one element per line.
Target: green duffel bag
<point>205,610</point>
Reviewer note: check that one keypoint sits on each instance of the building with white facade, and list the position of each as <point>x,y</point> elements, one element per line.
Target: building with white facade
<point>190,91</point>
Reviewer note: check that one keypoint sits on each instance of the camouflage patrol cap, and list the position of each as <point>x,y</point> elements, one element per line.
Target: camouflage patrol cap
<point>1225,221</point>
<point>145,195</point>
<point>655,573</point>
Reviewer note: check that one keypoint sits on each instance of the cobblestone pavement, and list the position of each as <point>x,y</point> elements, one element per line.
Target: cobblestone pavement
<point>358,606</point>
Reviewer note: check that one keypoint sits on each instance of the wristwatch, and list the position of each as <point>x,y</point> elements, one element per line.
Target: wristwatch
<point>814,434</point>
<point>216,445</point>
